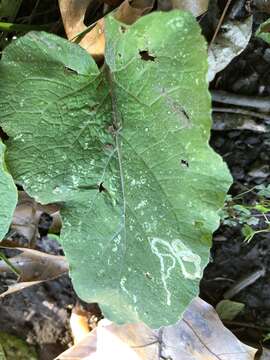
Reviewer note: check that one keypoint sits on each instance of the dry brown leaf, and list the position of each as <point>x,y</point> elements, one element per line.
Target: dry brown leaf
<point>265,354</point>
<point>130,341</point>
<point>79,323</point>
<point>262,5</point>
<point>131,10</point>
<point>73,13</point>
<point>86,349</point>
<point>113,2</point>
<point>200,335</point>
<point>111,341</point>
<point>26,218</point>
<point>93,41</point>
<point>164,5</point>
<point>34,267</point>
<point>196,7</point>
<point>229,43</point>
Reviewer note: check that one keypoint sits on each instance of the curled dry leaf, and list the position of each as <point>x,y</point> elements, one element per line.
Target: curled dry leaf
<point>34,267</point>
<point>26,217</point>
<point>200,335</point>
<point>265,354</point>
<point>197,7</point>
<point>79,323</point>
<point>73,13</point>
<point>262,5</point>
<point>129,341</point>
<point>131,10</point>
<point>231,40</point>
<point>208,339</point>
<point>93,41</point>
<point>113,2</point>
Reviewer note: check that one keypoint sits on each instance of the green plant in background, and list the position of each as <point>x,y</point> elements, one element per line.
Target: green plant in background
<point>263,31</point>
<point>8,194</point>
<point>248,216</point>
<point>124,150</point>
<point>12,347</point>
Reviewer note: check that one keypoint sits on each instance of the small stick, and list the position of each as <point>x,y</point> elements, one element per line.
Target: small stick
<point>243,283</point>
<point>242,112</point>
<point>224,97</point>
<point>243,324</point>
<point>220,22</point>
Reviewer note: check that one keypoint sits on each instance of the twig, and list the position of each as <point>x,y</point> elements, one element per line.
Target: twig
<point>260,103</point>
<point>33,13</point>
<point>239,196</point>
<point>243,324</point>
<point>242,112</point>
<point>9,264</point>
<point>243,283</point>
<point>220,22</point>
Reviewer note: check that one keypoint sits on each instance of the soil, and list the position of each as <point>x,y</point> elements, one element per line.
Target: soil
<point>41,314</point>
<point>247,154</point>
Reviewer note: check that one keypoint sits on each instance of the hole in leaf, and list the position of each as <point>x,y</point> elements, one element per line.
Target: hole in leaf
<point>101,188</point>
<point>184,163</point>
<point>123,29</point>
<point>146,56</point>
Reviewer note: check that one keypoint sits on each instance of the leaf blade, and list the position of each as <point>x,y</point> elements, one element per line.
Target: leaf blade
<point>139,183</point>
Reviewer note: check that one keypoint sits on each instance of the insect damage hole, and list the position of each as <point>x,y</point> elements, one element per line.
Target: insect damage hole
<point>184,163</point>
<point>144,54</point>
<point>123,29</point>
<point>101,188</point>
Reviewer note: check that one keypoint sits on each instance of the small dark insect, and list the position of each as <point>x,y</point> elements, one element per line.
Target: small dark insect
<point>148,275</point>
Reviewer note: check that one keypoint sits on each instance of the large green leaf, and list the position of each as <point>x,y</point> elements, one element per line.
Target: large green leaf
<point>8,195</point>
<point>125,150</point>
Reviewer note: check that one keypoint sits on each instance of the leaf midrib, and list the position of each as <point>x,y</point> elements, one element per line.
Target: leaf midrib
<point>117,122</point>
